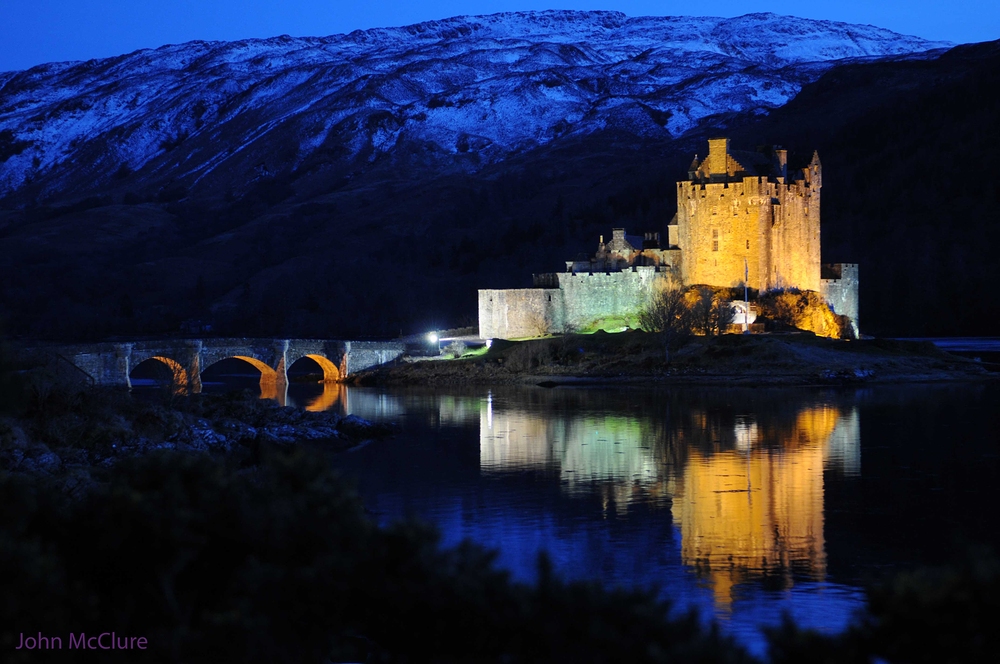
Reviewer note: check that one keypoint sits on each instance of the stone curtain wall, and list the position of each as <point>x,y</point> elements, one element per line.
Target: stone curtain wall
<point>842,293</point>
<point>590,298</point>
<point>582,300</point>
<point>521,312</point>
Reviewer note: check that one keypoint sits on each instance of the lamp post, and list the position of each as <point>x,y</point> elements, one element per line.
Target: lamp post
<point>746,296</point>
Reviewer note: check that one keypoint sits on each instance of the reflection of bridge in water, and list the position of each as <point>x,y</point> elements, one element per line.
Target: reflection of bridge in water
<point>746,492</point>
<point>113,363</point>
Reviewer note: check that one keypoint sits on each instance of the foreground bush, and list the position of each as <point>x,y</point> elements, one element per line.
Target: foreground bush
<point>280,564</point>
<point>931,615</point>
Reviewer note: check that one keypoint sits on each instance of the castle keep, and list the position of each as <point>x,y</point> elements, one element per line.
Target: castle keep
<point>738,214</point>
<point>732,217</point>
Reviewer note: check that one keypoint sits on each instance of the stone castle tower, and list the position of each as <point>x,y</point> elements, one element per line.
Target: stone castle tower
<point>744,213</point>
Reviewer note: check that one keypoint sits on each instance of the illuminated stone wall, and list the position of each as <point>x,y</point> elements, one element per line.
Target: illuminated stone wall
<point>580,301</point>
<point>841,291</point>
<point>519,313</point>
<point>589,298</point>
<point>731,223</point>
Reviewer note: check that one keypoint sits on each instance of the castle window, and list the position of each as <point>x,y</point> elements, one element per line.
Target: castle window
<point>550,298</point>
<point>748,244</point>
<point>715,209</point>
<point>715,239</point>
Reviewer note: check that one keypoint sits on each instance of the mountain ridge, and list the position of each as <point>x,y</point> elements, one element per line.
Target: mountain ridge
<point>486,85</point>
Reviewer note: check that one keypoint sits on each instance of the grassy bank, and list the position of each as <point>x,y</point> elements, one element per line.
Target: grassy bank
<point>788,359</point>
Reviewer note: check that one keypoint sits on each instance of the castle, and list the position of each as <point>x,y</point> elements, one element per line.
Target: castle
<point>741,216</point>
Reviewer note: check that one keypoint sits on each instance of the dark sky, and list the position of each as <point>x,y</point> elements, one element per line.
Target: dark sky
<point>37,31</point>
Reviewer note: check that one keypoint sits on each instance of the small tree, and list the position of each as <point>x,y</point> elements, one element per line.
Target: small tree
<point>722,314</point>
<point>668,316</point>
<point>711,312</point>
<point>702,309</point>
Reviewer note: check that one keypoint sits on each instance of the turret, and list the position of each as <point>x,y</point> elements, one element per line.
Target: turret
<point>782,158</point>
<point>814,172</point>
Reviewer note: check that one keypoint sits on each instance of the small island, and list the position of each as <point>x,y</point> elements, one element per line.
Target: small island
<point>638,357</point>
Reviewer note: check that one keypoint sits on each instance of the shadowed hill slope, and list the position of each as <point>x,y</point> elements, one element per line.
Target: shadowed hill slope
<point>404,243</point>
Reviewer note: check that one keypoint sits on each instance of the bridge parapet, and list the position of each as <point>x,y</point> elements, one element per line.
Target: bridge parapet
<point>363,355</point>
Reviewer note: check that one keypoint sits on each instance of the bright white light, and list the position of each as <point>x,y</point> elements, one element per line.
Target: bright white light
<point>489,342</point>
<point>432,337</point>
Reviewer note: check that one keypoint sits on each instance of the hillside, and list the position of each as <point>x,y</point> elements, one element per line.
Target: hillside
<point>368,183</point>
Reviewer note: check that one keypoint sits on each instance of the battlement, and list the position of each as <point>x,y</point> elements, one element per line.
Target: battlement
<point>835,271</point>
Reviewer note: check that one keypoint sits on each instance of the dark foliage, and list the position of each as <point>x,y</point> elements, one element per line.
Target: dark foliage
<point>669,317</point>
<point>945,614</point>
<point>281,564</point>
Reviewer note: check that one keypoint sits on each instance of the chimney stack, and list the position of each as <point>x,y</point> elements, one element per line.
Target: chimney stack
<point>782,157</point>
<point>718,151</point>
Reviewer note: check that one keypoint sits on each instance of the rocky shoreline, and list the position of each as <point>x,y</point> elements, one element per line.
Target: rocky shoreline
<point>95,429</point>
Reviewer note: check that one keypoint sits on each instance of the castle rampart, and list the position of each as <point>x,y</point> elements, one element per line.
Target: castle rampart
<point>520,312</point>
<point>839,288</point>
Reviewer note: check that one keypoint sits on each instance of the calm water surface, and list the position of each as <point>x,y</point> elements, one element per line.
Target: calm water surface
<point>742,503</point>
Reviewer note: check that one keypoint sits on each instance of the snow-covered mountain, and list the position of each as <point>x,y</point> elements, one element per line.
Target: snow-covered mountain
<point>211,117</point>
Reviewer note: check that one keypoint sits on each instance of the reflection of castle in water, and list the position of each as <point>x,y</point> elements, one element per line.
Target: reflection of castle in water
<point>603,452</point>
<point>746,491</point>
<point>756,508</point>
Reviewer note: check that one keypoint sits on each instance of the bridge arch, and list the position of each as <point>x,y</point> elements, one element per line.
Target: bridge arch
<point>331,372</point>
<point>180,381</point>
<point>269,378</point>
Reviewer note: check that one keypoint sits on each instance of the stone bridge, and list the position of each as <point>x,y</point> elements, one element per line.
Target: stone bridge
<point>111,363</point>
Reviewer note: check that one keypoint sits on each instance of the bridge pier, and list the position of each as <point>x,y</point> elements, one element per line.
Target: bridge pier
<point>275,385</point>
<point>192,365</point>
